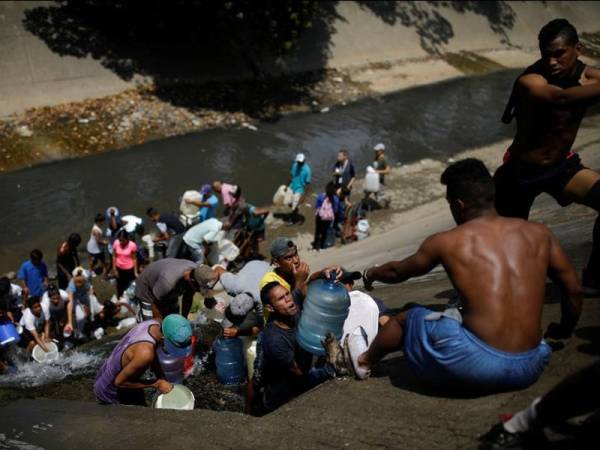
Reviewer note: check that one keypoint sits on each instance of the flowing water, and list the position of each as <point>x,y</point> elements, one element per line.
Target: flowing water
<point>40,206</point>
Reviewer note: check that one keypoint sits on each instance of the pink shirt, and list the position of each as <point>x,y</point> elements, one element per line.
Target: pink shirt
<point>227,191</point>
<point>124,255</point>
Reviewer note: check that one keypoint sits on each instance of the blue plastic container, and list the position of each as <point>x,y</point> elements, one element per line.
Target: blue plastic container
<point>172,367</point>
<point>8,334</point>
<point>230,361</point>
<point>325,310</point>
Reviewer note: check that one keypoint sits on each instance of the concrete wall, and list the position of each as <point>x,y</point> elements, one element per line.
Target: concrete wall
<point>32,75</point>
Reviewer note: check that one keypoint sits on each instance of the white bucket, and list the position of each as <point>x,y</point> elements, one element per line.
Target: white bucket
<point>41,356</point>
<point>180,398</point>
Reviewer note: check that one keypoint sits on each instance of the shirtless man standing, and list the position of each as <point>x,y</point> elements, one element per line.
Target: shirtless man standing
<point>549,101</point>
<point>499,266</point>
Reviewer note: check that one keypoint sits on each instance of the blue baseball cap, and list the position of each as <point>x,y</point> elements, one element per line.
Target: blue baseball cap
<point>178,335</point>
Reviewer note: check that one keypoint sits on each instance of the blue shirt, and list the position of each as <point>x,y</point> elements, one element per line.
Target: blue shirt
<point>253,221</point>
<point>81,296</point>
<point>300,178</point>
<point>34,277</point>
<point>208,212</point>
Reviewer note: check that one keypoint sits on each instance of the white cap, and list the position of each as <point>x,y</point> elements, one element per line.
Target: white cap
<point>379,146</point>
<point>300,157</point>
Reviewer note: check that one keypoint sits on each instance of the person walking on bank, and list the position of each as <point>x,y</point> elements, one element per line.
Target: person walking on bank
<point>344,174</point>
<point>326,210</point>
<point>299,186</point>
<point>380,164</point>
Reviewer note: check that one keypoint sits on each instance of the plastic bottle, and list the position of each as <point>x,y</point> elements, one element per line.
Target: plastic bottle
<point>325,309</point>
<point>172,366</point>
<point>229,359</point>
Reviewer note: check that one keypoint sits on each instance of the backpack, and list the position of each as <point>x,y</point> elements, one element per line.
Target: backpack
<point>325,212</point>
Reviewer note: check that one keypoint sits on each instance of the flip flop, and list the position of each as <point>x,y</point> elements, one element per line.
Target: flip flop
<point>355,344</point>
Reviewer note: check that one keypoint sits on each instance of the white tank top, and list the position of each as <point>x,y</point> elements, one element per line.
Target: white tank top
<point>92,245</point>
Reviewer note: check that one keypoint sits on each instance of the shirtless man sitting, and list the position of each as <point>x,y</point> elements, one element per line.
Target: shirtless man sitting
<point>549,101</point>
<point>499,266</point>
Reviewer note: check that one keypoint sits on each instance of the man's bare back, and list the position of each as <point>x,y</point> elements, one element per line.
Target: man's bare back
<point>499,266</point>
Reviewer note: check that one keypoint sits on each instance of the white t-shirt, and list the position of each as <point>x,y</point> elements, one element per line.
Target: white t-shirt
<point>31,322</point>
<point>363,312</point>
<point>16,295</point>
<point>46,301</point>
<point>92,246</point>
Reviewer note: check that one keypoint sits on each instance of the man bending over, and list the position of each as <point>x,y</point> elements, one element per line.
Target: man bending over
<point>499,266</point>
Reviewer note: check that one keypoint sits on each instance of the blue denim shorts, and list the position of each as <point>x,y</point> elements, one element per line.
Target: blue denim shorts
<point>445,352</point>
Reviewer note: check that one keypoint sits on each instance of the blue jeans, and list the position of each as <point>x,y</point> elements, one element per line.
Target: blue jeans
<point>443,351</point>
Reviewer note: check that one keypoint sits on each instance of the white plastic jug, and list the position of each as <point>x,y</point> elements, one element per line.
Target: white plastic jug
<point>189,209</point>
<point>362,229</point>
<point>371,180</point>
<point>279,197</point>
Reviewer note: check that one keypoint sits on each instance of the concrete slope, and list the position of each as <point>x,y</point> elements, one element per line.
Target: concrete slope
<point>361,33</point>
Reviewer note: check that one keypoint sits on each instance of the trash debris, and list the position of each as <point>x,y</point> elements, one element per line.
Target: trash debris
<point>24,131</point>
<point>325,110</point>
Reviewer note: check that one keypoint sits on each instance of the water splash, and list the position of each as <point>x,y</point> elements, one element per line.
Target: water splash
<point>32,374</point>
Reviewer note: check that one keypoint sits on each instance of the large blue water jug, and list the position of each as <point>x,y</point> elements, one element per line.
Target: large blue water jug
<point>173,367</point>
<point>325,309</point>
<point>8,334</point>
<point>229,359</point>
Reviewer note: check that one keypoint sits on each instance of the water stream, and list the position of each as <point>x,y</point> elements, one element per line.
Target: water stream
<point>40,206</point>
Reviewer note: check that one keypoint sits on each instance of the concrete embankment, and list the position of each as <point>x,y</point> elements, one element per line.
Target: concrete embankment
<point>65,94</point>
<point>361,33</point>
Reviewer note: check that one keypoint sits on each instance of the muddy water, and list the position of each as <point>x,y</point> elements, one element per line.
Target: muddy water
<point>41,205</point>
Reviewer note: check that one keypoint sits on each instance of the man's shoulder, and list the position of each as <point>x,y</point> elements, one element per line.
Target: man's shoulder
<point>274,337</point>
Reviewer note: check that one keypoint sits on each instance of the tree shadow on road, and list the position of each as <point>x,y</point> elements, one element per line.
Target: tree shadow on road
<point>182,46</point>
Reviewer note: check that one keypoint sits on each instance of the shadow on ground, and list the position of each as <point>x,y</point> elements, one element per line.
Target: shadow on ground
<point>183,45</point>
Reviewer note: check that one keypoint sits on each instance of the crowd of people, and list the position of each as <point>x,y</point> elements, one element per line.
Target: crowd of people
<point>490,340</point>
<point>120,247</point>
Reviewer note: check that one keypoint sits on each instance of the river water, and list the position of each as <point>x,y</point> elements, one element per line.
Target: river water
<point>42,205</point>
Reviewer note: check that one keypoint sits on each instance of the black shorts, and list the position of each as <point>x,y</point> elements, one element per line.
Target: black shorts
<point>518,184</point>
<point>26,338</point>
<point>98,257</point>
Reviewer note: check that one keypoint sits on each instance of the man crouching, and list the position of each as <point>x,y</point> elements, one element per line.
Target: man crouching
<point>498,265</point>
<point>119,380</point>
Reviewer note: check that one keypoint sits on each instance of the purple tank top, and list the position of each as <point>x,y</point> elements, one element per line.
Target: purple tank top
<point>104,387</point>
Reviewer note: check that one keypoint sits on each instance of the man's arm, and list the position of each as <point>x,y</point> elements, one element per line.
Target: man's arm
<point>422,262</point>
<point>142,359</point>
<point>352,176</point>
<point>187,300</point>
<point>198,203</point>
<point>562,271</point>
<point>46,330</point>
<point>537,88</point>
<point>38,340</point>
